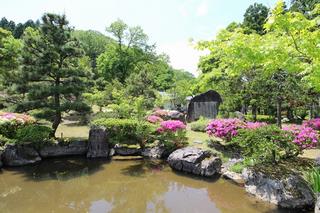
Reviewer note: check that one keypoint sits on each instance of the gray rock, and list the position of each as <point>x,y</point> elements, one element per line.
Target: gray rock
<point>317,206</point>
<point>112,152</point>
<point>156,152</point>
<point>19,155</point>
<point>126,151</point>
<point>98,146</point>
<point>73,148</point>
<point>196,161</point>
<point>228,174</point>
<point>289,191</point>
<point>176,115</point>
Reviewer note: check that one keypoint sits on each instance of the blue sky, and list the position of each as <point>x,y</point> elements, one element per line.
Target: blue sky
<point>169,23</point>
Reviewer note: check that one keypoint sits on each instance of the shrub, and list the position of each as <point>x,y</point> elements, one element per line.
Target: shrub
<point>305,137</point>
<point>172,134</point>
<point>127,131</point>
<point>313,123</point>
<point>11,122</point>
<point>261,118</point>
<point>224,128</point>
<point>200,125</point>
<point>266,144</point>
<point>35,134</point>
<point>4,140</point>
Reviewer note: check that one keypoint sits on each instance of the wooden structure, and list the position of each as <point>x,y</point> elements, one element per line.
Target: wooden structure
<point>205,105</point>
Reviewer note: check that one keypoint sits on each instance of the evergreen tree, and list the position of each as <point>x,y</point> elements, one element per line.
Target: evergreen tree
<point>255,17</point>
<point>51,70</point>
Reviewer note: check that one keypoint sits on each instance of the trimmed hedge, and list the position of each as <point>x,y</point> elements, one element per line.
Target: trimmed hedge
<point>127,131</point>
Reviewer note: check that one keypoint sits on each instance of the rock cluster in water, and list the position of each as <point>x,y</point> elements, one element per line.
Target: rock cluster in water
<point>288,191</point>
<point>196,161</point>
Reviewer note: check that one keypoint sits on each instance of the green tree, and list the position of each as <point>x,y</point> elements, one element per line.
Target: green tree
<point>123,57</point>
<point>51,70</point>
<point>255,17</point>
<point>304,6</point>
<point>94,43</point>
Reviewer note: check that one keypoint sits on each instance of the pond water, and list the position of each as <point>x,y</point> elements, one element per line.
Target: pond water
<point>81,185</point>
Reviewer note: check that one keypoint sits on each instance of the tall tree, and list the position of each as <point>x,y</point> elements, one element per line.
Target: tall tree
<point>255,17</point>
<point>123,57</point>
<point>304,6</point>
<point>51,70</point>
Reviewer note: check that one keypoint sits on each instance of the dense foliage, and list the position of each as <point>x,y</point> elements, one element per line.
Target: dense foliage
<point>265,144</point>
<point>127,131</point>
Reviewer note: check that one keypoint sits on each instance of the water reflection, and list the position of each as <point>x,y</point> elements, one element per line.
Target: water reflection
<point>82,185</point>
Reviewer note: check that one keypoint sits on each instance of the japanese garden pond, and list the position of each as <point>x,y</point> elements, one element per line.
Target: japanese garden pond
<point>82,185</point>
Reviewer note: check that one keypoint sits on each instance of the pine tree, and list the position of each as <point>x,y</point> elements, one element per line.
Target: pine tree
<point>51,73</point>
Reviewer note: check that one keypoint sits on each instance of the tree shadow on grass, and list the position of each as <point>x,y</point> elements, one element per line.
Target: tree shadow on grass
<point>62,168</point>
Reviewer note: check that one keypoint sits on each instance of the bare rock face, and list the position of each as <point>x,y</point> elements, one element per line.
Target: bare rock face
<point>156,152</point>
<point>196,161</point>
<point>73,148</point>
<point>289,191</point>
<point>98,146</point>
<point>19,155</point>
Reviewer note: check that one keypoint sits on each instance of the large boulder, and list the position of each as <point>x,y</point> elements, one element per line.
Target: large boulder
<point>156,152</point>
<point>196,161</point>
<point>98,146</point>
<point>176,115</point>
<point>73,148</point>
<point>126,151</point>
<point>286,189</point>
<point>19,155</point>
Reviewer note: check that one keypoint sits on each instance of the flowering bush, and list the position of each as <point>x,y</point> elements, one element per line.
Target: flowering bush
<point>305,136</point>
<point>154,119</point>
<point>228,128</point>
<point>225,128</point>
<point>172,134</point>
<point>255,125</point>
<point>171,126</point>
<point>11,122</point>
<point>313,123</point>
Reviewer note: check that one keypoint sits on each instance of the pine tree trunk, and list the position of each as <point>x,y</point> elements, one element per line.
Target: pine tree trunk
<point>57,116</point>
<point>279,109</point>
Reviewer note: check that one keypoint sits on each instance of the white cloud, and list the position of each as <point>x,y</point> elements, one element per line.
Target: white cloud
<point>182,55</point>
<point>202,9</point>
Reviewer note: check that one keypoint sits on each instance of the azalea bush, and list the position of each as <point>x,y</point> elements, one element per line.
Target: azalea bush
<point>11,122</point>
<point>228,128</point>
<point>224,128</point>
<point>267,143</point>
<point>172,134</point>
<point>313,123</point>
<point>154,119</point>
<point>305,136</point>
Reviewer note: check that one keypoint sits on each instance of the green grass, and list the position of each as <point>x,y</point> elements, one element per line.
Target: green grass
<point>73,131</point>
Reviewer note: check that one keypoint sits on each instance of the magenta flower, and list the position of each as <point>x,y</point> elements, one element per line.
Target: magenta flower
<point>171,125</point>
<point>305,137</point>
<point>255,125</point>
<point>313,123</point>
<point>225,128</point>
